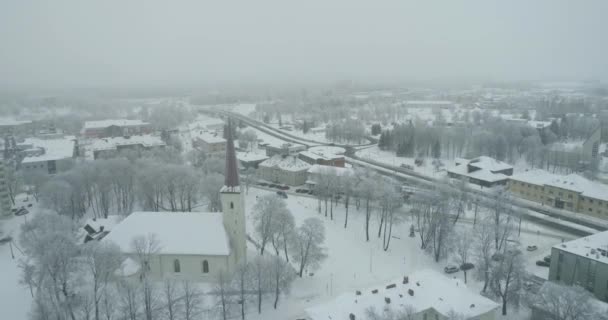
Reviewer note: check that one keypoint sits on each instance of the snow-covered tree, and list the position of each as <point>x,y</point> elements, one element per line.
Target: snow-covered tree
<point>281,277</point>
<point>101,260</point>
<point>506,278</point>
<point>562,302</point>
<point>307,244</point>
<point>463,249</point>
<point>265,213</point>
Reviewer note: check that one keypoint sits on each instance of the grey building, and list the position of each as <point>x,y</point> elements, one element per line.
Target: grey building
<point>5,202</point>
<point>583,262</point>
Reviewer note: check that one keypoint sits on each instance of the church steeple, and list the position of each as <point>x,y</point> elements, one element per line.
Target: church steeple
<point>231,181</point>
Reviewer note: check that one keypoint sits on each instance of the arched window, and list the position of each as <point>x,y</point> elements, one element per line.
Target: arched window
<point>205,266</point>
<point>231,205</point>
<point>176,267</point>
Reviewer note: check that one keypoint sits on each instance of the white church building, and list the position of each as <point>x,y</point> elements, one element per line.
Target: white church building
<point>191,245</point>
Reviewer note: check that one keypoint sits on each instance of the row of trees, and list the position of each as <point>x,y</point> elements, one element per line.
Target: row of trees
<point>120,185</point>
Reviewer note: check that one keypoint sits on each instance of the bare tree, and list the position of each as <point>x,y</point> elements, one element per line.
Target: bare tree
<point>307,250</point>
<point>145,249</point>
<point>483,250</point>
<point>192,301</point>
<point>367,192</point>
<point>463,247</point>
<point>506,277</point>
<point>129,300</point>
<point>242,282</point>
<point>265,213</point>
<point>285,228</point>
<point>260,277</point>
<point>223,294</point>
<point>101,260</point>
<point>172,299</point>
<point>562,302</point>
<point>282,275</point>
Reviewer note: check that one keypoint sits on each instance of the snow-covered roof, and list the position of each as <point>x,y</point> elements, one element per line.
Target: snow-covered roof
<point>146,141</point>
<point>207,137</point>
<point>430,290</point>
<point>429,102</point>
<point>12,122</point>
<point>490,164</point>
<point>337,171</point>
<point>594,247</point>
<point>251,156</point>
<point>205,122</point>
<point>324,152</point>
<point>128,268</point>
<point>571,145</point>
<point>54,149</point>
<point>188,233</point>
<point>99,124</point>
<point>287,163</point>
<point>572,182</point>
<point>107,223</point>
<point>539,124</point>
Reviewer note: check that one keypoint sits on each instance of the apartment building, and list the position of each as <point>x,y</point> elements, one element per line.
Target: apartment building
<point>582,262</point>
<point>572,192</point>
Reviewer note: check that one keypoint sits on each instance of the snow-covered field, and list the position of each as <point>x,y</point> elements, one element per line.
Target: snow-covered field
<point>389,158</point>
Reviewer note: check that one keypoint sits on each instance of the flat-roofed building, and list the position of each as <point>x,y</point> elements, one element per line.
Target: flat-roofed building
<point>571,192</point>
<point>483,171</point>
<point>210,143</point>
<point>115,128</point>
<point>110,147</point>
<point>582,262</point>
<point>47,156</point>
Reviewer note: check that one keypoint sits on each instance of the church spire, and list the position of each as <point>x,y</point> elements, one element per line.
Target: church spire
<point>232,171</point>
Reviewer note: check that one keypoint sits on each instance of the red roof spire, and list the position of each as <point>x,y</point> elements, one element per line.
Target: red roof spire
<point>232,169</point>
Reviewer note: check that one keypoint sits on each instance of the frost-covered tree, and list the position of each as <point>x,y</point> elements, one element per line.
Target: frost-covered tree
<point>249,138</point>
<point>281,277</point>
<point>307,244</point>
<point>506,278</point>
<point>100,260</point>
<point>265,215</point>
<point>463,249</point>
<point>562,302</point>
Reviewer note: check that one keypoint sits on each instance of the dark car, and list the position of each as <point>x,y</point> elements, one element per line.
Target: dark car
<point>547,259</point>
<point>451,269</point>
<point>21,212</point>
<point>262,184</point>
<point>6,239</point>
<point>282,194</point>
<point>542,263</point>
<point>467,266</point>
<point>284,187</point>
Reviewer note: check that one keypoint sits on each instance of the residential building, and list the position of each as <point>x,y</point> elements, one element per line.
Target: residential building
<point>576,153</point>
<point>5,201</point>
<point>211,144</point>
<point>324,155</point>
<point>47,156</point>
<point>571,192</point>
<point>426,294</point>
<point>111,146</point>
<point>287,170</point>
<point>483,171</point>
<point>283,148</point>
<point>10,126</point>
<point>115,128</point>
<point>204,123</point>
<point>192,245</point>
<point>583,262</point>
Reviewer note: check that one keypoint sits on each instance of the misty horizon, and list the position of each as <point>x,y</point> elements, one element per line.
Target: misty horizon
<point>77,44</point>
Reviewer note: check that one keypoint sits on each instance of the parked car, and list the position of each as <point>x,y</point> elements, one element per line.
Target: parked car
<point>5,239</point>
<point>467,266</point>
<point>21,212</point>
<point>532,248</point>
<point>262,184</point>
<point>284,187</point>
<point>282,194</point>
<point>547,259</point>
<point>542,263</point>
<point>406,166</point>
<point>451,269</point>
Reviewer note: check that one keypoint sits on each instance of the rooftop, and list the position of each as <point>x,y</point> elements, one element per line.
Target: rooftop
<point>288,163</point>
<point>324,152</point>
<point>54,149</point>
<point>188,233</point>
<point>208,137</point>
<point>594,247</point>
<point>147,141</point>
<point>488,163</point>
<point>251,156</point>
<point>572,182</point>
<point>98,124</point>
<point>430,290</point>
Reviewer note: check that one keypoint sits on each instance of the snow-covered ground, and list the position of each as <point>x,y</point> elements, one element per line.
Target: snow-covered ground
<point>389,158</point>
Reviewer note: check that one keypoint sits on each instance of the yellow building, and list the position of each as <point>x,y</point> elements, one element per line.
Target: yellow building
<point>572,192</point>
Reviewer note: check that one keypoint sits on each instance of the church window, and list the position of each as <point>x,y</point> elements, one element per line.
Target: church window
<point>231,205</point>
<point>176,267</point>
<point>205,266</point>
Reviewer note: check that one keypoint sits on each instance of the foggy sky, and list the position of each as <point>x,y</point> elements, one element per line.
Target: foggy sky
<point>115,43</point>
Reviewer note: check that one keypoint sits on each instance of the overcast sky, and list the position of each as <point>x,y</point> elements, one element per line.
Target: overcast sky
<point>91,43</point>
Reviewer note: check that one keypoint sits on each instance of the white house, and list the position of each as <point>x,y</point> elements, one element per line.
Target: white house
<point>191,245</point>
<point>47,156</point>
<point>424,295</point>
<point>288,170</point>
